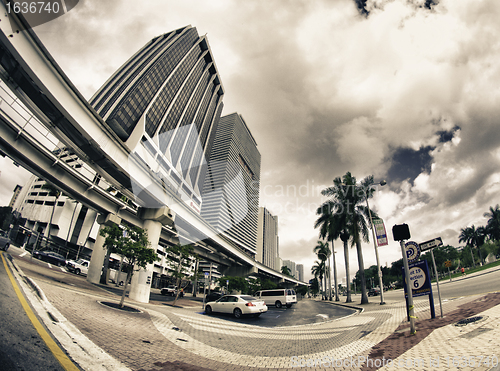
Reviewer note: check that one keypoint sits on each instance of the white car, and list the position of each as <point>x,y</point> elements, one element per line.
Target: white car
<point>81,266</point>
<point>238,305</point>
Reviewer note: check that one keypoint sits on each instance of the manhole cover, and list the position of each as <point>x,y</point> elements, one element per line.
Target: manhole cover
<point>466,321</point>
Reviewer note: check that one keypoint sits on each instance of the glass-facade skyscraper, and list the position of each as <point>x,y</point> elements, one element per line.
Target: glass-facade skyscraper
<point>165,103</point>
<point>267,239</point>
<point>231,192</point>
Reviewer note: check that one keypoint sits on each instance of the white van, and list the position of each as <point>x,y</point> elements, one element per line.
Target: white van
<point>277,297</point>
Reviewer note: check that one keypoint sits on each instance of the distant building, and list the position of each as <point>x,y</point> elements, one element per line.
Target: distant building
<point>17,190</point>
<point>267,238</point>
<point>300,272</point>
<point>231,191</point>
<point>291,266</point>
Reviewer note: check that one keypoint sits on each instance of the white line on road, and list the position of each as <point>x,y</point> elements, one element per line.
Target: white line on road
<point>24,253</point>
<point>50,266</point>
<point>325,316</point>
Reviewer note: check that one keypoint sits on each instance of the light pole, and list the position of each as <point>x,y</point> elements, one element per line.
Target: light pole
<point>382,183</point>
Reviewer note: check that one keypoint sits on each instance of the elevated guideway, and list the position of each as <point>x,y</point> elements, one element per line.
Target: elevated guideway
<point>56,115</point>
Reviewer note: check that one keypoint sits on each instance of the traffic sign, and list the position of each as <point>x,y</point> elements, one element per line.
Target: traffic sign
<point>420,280</point>
<point>427,245</point>
<point>447,264</point>
<point>412,251</point>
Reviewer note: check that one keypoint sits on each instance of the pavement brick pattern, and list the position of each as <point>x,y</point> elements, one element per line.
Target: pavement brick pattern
<point>162,337</point>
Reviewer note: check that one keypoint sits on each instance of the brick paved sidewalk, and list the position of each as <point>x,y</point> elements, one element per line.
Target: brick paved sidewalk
<point>166,338</point>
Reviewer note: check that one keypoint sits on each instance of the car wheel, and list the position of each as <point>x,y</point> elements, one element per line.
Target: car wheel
<point>208,309</point>
<point>58,264</point>
<point>289,305</point>
<point>6,247</point>
<point>77,271</point>
<point>278,304</point>
<point>237,313</point>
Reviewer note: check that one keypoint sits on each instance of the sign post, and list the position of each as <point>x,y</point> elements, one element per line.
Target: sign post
<point>429,245</point>
<point>420,282</point>
<point>400,233</point>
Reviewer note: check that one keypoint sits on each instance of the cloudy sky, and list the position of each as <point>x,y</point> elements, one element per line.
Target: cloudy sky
<point>406,90</point>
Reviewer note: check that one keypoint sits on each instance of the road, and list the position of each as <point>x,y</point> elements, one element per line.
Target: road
<point>481,283</point>
<point>21,346</point>
<point>304,312</point>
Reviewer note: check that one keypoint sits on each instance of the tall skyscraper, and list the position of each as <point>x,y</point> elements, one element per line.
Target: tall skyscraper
<point>267,238</point>
<point>300,272</point>
<point>164,103</point>
<point>231,192</point>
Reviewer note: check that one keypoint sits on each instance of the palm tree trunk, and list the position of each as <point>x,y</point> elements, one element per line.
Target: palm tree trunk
<point>335,275</point>
<point>364,296</point>
<point>347,277</point>
<point>329,281</point>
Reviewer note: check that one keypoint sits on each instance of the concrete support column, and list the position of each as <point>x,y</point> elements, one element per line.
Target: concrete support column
<point>154,219</point>
<point>99,252</point>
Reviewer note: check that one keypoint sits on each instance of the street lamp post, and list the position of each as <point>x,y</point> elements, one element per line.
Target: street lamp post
<point>382,183</point>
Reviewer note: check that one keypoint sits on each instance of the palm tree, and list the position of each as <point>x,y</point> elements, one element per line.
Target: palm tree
<point>474,238</point>
<point>493,225</point>
<point>351,216</point>
<point>323,251</point>
<point>317,270</point>
<point>285,270</point>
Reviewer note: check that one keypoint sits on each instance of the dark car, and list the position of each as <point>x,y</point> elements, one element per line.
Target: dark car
<point>50,257</point>
<point>374,291</point>
<point>4,241</point>
<point>213,296</point>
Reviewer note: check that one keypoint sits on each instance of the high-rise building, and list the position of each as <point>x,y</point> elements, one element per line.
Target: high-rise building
<point>164,103</point>
<point>291,267</point>
<point>17,190</point>
<point>300,272</point>
<point>231,191</point>
<point>267,238</point>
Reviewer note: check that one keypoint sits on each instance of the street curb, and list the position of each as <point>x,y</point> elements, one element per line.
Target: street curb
<point>84,353</point>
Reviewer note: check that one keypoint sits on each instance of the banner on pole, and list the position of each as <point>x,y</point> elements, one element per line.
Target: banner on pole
<point>380,232</point>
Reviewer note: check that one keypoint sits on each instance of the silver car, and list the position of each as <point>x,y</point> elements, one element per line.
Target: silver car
<point>4,241</point>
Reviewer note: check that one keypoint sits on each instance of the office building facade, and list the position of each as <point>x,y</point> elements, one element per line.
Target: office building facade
<point>231,191</point>
<point>164,103</point>
<point>267,239</point>
<point>291,267</point>
<point>300,272</point>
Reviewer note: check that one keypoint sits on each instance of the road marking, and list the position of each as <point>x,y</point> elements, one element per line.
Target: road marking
<point>63,359</point>
<point>24,253</point>
<point>50,266</point>
<point>325,316</point>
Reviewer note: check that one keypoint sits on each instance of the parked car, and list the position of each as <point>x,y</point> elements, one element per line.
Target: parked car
<point>50,257</point>
<point>374,291</point>
<point>278,297</point>
<point>81,266</point>
<point>169,290</point>
<point>213,296</point>
<point>4,241</point>
<point>238,305</point>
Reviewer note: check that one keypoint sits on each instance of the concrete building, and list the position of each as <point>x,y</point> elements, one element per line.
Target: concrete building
<point>71,221</point>
<point>291,266</point>
<point>164,103</point>
<point>231,191</point>
<point>300,272</point>
<point>267,238</point>
<point>15,195</point>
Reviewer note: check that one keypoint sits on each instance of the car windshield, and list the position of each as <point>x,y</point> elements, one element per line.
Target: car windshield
<point>80,261</point>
